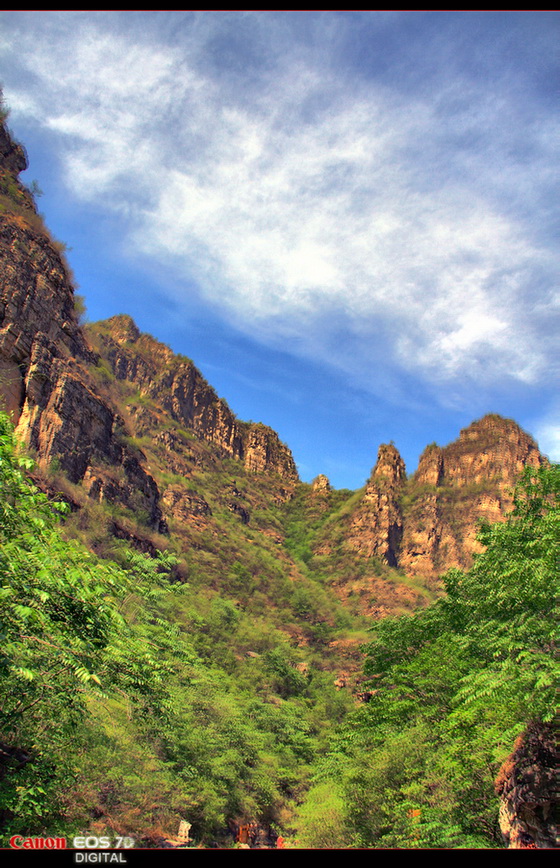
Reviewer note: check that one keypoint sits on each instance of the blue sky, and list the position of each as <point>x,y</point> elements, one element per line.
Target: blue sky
<point>349,220</point>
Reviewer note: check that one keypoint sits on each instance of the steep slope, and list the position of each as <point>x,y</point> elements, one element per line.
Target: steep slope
<point>456,487</point>
<point>54,385</point>
<point>44,357</point>
<point>151,459</point>
<point>135,427</point>
<point>141,446</point>
<point>427,524</point>
<point>377,526</point>
<point>275,576</point>
<point>174,386</point>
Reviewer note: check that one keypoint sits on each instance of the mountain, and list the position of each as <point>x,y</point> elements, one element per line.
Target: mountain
<point>146,453</point>
<point>428,524</point>
<point>114,417</point>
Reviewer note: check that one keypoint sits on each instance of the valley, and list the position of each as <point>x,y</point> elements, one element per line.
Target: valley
<point>188,639</point>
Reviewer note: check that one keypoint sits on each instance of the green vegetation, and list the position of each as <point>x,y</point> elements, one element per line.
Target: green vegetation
<point>452,688</point>
<point>65,642</point>
<point>317,526</point>
<point>134,697</point>
<point>182,638</point>
<point>138,700</point>
<point>80,308</point>
<point>214,678</point>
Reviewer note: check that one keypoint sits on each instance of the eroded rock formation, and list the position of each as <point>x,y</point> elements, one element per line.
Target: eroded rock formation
<point>88,403</point>
<point>377,525</point>
<point>321,484</point>
<point>44,357</point>
<point>528,788</point>
<point>175,386</point>
<point>428,524</point>
<point>458,486</point>
<point>55,386</point>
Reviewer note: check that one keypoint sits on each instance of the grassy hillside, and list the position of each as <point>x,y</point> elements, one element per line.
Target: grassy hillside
<point>208,698</point>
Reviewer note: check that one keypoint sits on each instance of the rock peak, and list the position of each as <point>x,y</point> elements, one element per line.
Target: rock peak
<point>389,466</point>
<point>430,466</point>
<point>376,529</point>
<point>122,328</point>
<point>489,422</point>
<point>321,483</point>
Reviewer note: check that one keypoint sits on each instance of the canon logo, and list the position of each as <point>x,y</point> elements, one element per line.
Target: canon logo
<point>18,842</point>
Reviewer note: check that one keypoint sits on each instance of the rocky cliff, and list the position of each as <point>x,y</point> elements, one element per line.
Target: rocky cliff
<point>174,386</point>
<point>37,315</point>
<point>107,404</point>
<point>428,524</point>
<point>528,789</point>
<point>44,358</point>
<point>57,387</point>
<point>457,487</point>
<point>377,525</point>
<point>142,446</point>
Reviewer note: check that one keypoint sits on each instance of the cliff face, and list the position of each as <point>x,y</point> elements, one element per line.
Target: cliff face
<point>175,387</point>
<point>428,524</point>
<point>52,382</point>
<point>37,319</point>
<point>456,487</point>
<point>136,431</point>
<point>377,524</point>
<point>528,789</point>
<point>91,402</point>
<point>44,357</point>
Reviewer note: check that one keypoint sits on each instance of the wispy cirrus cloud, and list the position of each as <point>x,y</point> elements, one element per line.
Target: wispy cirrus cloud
<point>376,228</point>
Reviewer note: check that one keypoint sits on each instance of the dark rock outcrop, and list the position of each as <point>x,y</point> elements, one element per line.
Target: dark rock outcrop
<point>528,788</point>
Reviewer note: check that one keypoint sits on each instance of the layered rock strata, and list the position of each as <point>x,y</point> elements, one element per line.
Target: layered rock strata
<point>377,525</point>
<point>429,523</point>
<point>176,387</point>
<point>457,487</point>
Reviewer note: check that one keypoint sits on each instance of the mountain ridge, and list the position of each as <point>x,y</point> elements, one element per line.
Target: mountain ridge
<point>59,383</point>
<point>283,577</point>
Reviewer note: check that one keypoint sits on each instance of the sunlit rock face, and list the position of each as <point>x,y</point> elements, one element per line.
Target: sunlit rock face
<point>377,525</point>
<point>458,486</point>
<point>90,401</point>
<point>57,388</point>
<point>174,385</point>
<point>321,484</point>
<point>427,524</point>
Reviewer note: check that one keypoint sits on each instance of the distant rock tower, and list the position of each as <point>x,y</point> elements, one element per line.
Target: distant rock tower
<point>377,526</point>
<point>321,484</point>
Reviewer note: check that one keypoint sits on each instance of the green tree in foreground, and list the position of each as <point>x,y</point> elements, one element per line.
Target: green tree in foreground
<point>107,712</point>
<point>453,686</point>
<point>63,639</point>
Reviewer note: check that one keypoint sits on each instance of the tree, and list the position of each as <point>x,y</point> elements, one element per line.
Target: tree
<point>454,686</point>
<point>63,639</point>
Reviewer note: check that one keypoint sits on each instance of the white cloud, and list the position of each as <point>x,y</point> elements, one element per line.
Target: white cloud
<point>310,205</point>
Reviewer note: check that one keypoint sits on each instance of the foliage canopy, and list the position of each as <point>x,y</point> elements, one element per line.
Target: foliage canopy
<point>452,687</point>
